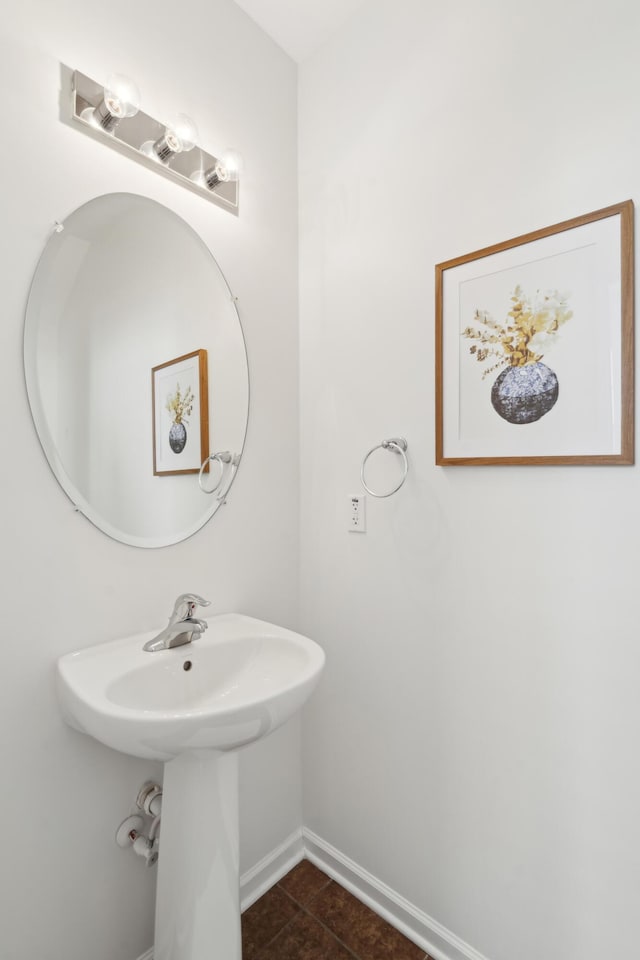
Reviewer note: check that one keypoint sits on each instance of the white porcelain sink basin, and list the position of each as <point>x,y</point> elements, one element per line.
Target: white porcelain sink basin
<point>234,684</point>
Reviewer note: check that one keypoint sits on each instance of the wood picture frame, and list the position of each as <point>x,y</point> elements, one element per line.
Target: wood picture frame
<point>180,414</point>
<point>566,291</point>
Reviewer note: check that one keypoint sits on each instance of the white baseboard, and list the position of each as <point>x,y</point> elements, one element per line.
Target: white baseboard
<point>270,869</point>
<point>427,933</point>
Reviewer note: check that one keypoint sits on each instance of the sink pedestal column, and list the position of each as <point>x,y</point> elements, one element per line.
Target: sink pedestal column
<point>198,897</point>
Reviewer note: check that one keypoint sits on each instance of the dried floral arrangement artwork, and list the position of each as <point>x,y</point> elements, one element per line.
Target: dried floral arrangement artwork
<point>179,406</point>
<point>528,388</point>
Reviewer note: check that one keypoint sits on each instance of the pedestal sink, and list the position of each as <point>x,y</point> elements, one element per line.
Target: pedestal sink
<point>193,706</point>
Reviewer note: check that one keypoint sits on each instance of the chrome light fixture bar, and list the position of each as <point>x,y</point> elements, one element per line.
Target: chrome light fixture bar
<point>110,113</point>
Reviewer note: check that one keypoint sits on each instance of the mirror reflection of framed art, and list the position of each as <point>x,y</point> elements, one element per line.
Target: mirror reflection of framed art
<point>180,421</point>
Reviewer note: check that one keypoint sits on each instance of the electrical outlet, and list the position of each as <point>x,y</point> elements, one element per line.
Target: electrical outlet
<point>358,515</point>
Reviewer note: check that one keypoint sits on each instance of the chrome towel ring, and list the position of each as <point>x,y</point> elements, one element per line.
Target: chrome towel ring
<point>395,445</point>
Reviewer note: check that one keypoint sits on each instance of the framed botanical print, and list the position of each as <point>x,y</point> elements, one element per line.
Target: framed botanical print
<point>534,347</point>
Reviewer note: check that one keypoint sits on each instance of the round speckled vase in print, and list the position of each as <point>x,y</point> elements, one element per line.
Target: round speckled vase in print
<point>525,394</point>
<point>178,437</point>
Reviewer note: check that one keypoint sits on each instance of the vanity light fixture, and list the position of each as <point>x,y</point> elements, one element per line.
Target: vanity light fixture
<point>112,114</point>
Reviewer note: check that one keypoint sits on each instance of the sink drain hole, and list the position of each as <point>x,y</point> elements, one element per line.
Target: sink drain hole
<point>187,665</point>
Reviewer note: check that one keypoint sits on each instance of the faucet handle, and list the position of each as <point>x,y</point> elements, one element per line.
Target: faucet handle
<point>186,604</point>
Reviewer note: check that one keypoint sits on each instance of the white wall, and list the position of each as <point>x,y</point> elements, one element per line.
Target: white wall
<point>65,888</point>
<point>474,741</point>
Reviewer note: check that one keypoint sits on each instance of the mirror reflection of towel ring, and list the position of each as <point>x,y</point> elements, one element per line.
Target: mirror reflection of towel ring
<point>224,459</point>
<point>396,445</point>
<point>221,458</point>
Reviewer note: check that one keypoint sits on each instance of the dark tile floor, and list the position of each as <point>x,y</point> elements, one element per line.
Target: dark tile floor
<point>308,916</point>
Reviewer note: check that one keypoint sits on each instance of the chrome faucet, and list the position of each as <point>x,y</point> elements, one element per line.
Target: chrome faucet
<point>183,627</point>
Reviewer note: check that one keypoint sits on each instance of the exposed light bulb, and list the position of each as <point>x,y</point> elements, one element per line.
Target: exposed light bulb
<point>184,132</point>
<point>179,136</point>
<point>121,96</point>
<point>226,170</point>
<point>121,99</point>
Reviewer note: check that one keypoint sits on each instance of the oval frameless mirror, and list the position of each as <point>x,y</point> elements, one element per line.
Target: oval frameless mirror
<point>136,369</point>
